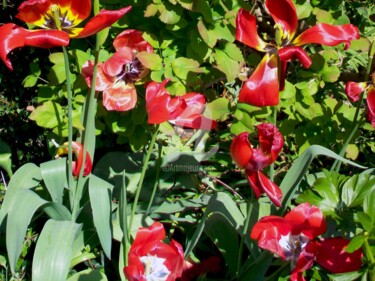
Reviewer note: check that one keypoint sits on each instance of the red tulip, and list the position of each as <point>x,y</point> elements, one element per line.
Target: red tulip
<point>58,22</point>
<point>116,76</point>
<point>255,159</point>
<point>292,239</point>
<point>78,162</point>
<point>262,88</point>
<point>354,90</point>
<point>152,259</point>
<point>186,110</point>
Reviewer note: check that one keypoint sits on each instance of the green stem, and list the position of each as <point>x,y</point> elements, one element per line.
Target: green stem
<point>156,184</point>
<point>124,220</point>
<point>70,122</point>
<point>337,164</point>
<point>143,172</point>
<point>370,258</point>
<point>243,237</point>
<point>272,165</point>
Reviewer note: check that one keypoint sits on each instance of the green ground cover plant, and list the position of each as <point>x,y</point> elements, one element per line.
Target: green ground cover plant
<point>187,140</point>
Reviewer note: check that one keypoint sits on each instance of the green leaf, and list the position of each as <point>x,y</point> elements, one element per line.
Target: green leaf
<point>54,176</point>
<point>57,211</point>
<point>208,36</point>
<point>355,243</point>
<point>218,109</point>
<point>48,115</point>
<point>150,60</point>
<point>299,169</point>
<point>6,158</point>
<point>22,208</point>
<point>31,79</point>
<point>53,250</point>
<point>257,270</point>
<point>88,275</point>
<point>369,204</point>
<point>225,237</point>
<point>228,60</point>
<point>100,193</point>
<point>349,276</point>
<point>182,67</point>
<point>182,205</point>
<point>26,177</point>
<point>356,188</point>
<point>170,14</point>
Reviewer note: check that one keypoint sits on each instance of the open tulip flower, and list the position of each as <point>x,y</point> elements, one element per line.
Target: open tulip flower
<point>354,90</point>
<point>116,76</point>
<point>262,88</point>
<point>184,111</point>
<point>152,259</point>
<point>253,160</point>
<point>57,21</point>
<point>77,163</point>
<point>292,238</point>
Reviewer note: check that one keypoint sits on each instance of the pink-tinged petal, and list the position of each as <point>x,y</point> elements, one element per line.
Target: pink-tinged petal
<point>353,90</point>
<point>101,21</point>
<point>240,149</point>
<point>262,88</point>
<point>103,81</point>
<point>133,39</point>
<point>371,106</point>
<point>115,65</point>
<point>333,257</point>
<point>13,36</point>
<point>154,90</point>
<point>269,240</point>
<point>271,141</point>
<point>289,53</point>
<point>297,276</point>
<point>272,190</point>
<point>307,219</point>
<point>120,97</point>
<point>197,121</point>
<point>328,35</point>
<point>135,269</point>
<point>252,178</point>
<point>33,11</point>
<point>284,14</point>
<point>246,30</point>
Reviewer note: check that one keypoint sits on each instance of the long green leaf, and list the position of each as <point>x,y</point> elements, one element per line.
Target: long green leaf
<point>100,193</point>
<point>57,211</point>
<point>299,169</point>
<point>53,250</point>
<point>26,177</point>
<point>55,178</point>
<point>88,275</point>
<point>6,158</point>
<point>22,209</point>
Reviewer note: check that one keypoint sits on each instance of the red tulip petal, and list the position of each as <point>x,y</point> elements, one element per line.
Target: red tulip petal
<point>155,232</point>
<point>272,190</point>
<point>333,257</point>
<point>371,106</point>
<point>269,231</point>
<point>133,39</point>
<point>240,149</point>
<point>262,88</point>
<point>157,100</point>
<point>328,35</point>
<point>246,30</point>
<point>34,11</point>
<point>13,36</point>
<point>117,62</point>
<point>307,219</point>
<point>120,97</point>
<point>101,21</point>
<point>253,180</point>
<point>292,52</point>
<point>78,151</point>
<point>103,81</point>
<point>79,9</point>
<point>135,269</point>
<point>271,141</point>
<point>306,258</point>
<point>353,90</point>
<point>284,14</point>
<point>295,276</point>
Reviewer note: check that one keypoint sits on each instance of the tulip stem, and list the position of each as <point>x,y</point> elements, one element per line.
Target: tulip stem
<point>156,184</point>
<point>250,206</point>
<point>272,165</point>
<point>143,172</point>
<point>337,164</point>
<point>70,124</point>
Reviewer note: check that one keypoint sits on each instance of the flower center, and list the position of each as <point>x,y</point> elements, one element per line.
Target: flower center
<point>56,19</point>
<point>292,246</point>
<point>155,269</point>
<point>131,71</point>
